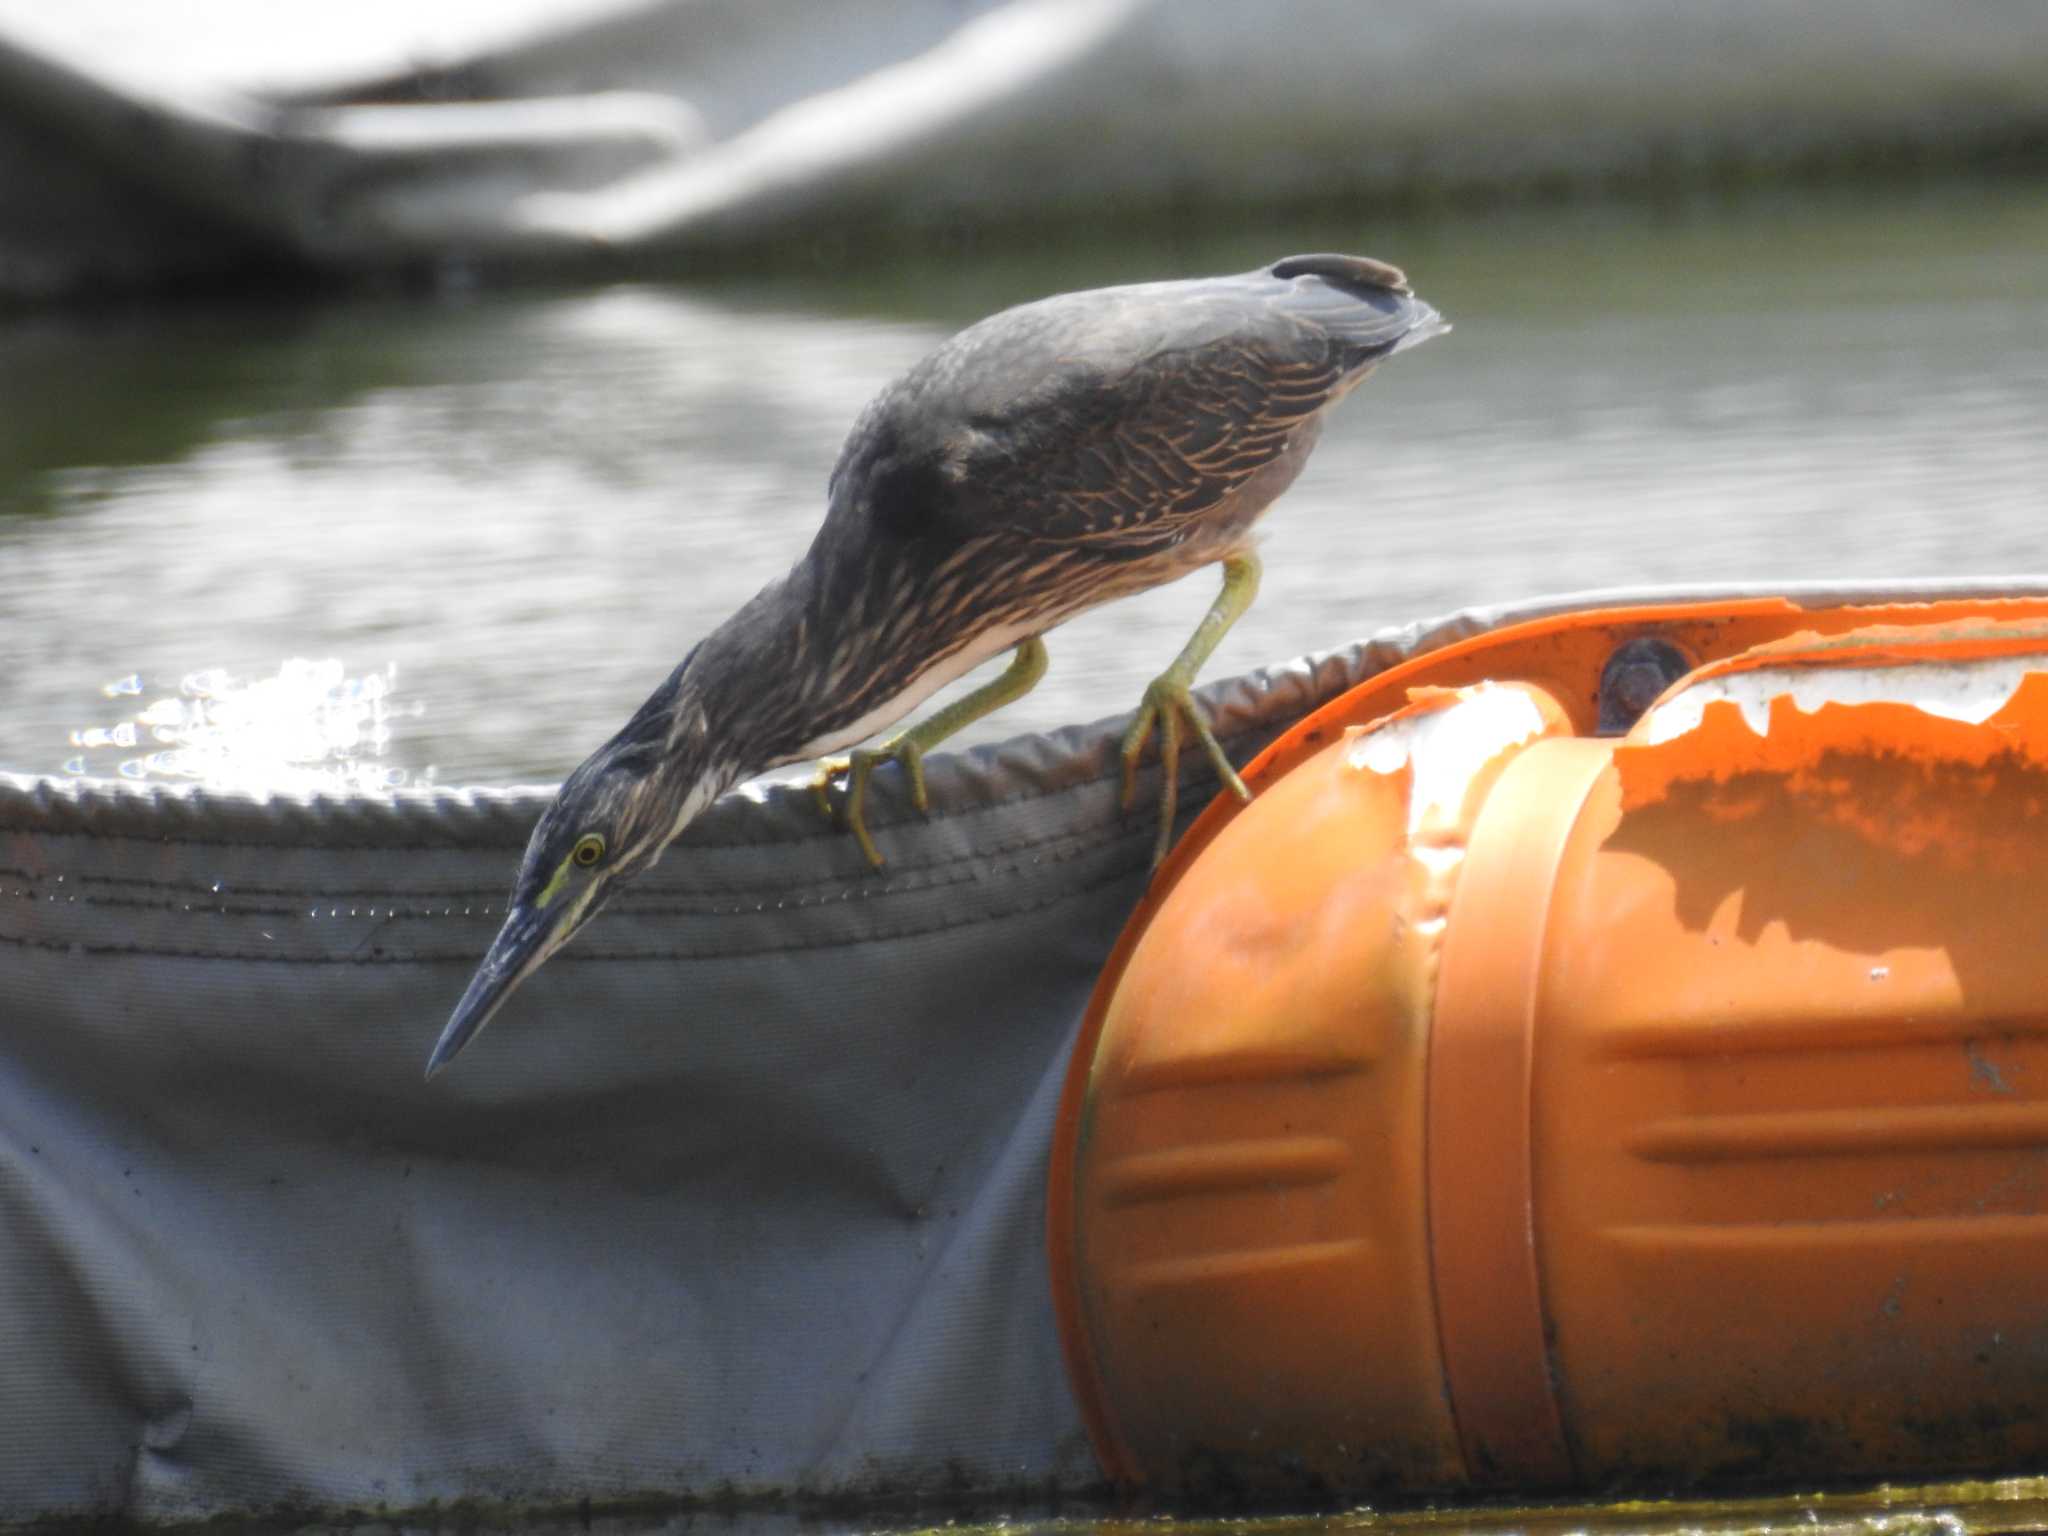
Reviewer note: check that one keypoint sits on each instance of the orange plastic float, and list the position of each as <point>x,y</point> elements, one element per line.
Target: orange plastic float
<point>1492,1103</point>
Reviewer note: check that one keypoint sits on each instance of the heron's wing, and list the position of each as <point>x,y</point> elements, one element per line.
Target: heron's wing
<point>1135,464</point>
<point>1173,397</point>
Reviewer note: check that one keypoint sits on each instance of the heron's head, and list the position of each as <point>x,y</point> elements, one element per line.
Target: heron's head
<point>610,820</point>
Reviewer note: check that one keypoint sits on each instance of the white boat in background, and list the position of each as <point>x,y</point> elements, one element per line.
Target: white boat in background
<point>136,147</point>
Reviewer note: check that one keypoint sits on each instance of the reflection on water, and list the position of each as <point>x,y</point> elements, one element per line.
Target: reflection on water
<point>531,503</point>
<point>311,729</point>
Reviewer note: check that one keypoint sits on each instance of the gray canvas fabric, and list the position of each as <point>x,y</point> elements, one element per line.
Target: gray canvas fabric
<point>742,1197</point>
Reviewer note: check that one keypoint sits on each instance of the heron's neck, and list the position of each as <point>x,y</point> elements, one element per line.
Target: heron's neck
<point>764,678</point>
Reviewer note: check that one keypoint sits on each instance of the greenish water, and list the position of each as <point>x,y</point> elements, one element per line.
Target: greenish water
<point>529,503</point>
<point>1958,1509</point>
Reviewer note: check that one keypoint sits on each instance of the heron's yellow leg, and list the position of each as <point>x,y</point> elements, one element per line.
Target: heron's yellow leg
<point>1168,703</point>
<point>1027,666</point>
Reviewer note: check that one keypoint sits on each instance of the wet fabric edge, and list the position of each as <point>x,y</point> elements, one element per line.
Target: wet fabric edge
<point>779,812</point>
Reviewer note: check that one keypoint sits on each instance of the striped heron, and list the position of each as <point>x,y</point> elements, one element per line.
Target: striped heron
<point>1055,456</point>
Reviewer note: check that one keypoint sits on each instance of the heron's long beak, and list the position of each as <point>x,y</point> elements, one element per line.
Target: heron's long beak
<point>529,936</point>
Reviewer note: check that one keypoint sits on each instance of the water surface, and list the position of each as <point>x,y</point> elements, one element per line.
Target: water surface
<point>529,504</point>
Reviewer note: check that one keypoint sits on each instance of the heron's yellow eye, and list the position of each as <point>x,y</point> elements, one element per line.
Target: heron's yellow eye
<point>588,850</point>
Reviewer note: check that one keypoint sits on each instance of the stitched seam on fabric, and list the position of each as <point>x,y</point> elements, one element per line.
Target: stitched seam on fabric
<point>244,888</point>
<point>378,956</point>
<point>938,875</point>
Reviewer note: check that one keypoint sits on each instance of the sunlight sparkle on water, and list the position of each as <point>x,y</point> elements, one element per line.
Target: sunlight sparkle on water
<point>311,729</point>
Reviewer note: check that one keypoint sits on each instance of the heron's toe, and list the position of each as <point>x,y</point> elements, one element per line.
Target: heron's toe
<point>860,765</point>
<point>1132,748</point>
<point>830,771</point>
<point>911,756</point>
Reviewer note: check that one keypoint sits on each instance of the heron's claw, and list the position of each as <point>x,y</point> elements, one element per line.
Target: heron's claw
<point>1167,705</point>
<point>830,771</point>
<point>856,768</point>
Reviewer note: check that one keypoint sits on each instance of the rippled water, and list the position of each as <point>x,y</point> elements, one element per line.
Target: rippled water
<point>520,508</point>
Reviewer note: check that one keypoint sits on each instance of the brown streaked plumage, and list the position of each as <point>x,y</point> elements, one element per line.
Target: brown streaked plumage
<point>1052,457</point>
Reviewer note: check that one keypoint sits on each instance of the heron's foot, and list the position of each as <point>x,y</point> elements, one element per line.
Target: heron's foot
<point>1026,667</point>
<point>856,768</point>
<point>1167,706</point>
